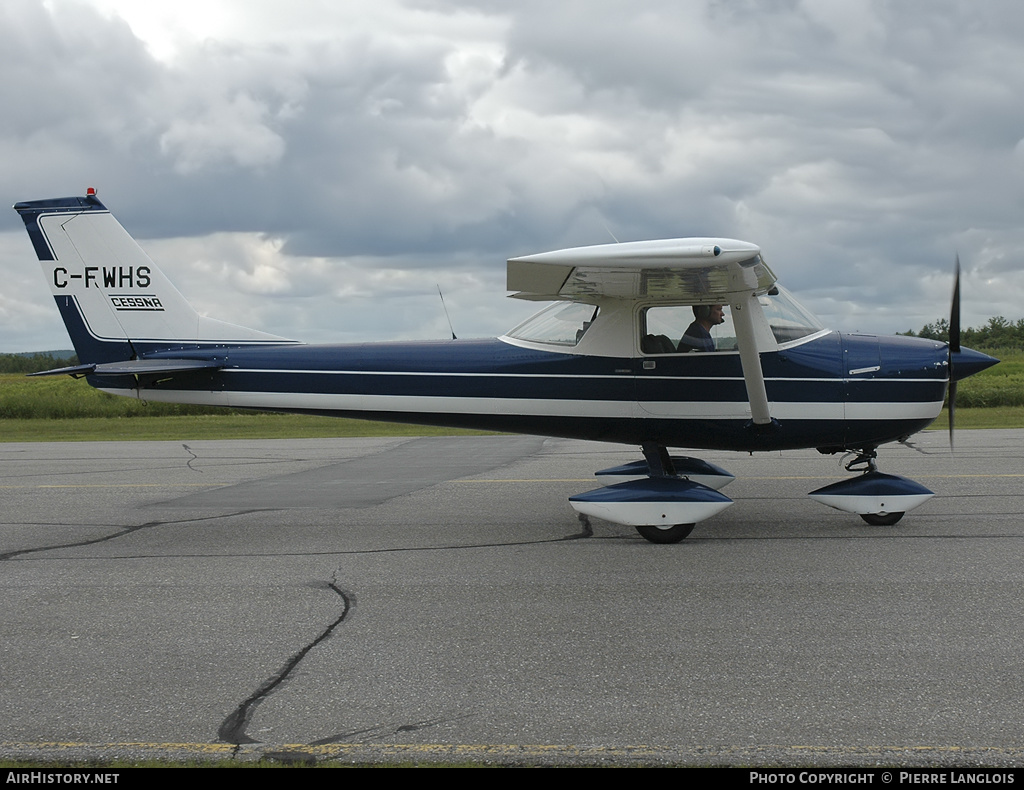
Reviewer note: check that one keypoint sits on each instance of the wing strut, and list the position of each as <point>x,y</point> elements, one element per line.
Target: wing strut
<point>742,316</point>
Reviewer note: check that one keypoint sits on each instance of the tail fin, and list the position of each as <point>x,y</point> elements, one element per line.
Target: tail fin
<point>115,302</point>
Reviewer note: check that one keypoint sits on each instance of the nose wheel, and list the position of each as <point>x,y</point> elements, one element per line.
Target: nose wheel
<point>667,534</point>
<point>882,520</point>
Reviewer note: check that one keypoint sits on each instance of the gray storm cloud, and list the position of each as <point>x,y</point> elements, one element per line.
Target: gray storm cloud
<point>315,176</point>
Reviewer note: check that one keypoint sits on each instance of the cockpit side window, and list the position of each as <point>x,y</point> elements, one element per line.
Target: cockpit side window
<point>682,329</point>
<point>561,324</point>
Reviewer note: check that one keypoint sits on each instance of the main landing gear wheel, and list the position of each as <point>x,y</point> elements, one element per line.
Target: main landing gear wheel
<point>881,520</point>
<point>672,534</point>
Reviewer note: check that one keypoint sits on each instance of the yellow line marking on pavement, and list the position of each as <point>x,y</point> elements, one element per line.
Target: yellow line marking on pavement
<point>638,753</point>
<point>117,485</point>
<point>780,477</point>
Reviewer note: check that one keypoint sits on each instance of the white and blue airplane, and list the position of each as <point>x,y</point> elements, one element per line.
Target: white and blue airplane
<point>672,343</point>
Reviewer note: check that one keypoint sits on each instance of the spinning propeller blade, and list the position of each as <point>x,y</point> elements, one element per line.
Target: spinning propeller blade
<point>954,347</point>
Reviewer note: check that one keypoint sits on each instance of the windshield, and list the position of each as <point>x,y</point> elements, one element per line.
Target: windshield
<point>563,324</point>
<point>788,319</point>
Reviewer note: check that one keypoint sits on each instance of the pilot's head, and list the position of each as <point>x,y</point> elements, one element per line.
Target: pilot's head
<point>709,314</point>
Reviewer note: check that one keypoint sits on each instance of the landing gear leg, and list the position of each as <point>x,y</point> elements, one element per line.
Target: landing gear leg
<point>864,462</point>
<point>659,462</point>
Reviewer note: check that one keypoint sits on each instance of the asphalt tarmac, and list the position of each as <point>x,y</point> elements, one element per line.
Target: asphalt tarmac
<point>438,599</point>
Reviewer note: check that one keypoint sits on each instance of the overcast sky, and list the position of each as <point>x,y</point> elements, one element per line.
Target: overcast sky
<point>317,169</point>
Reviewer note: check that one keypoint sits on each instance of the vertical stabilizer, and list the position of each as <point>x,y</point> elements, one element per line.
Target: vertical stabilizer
<point>114,300</point>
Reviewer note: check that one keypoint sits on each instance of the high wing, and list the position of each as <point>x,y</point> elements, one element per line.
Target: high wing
<point>697,271</point>
<point>694,270</point>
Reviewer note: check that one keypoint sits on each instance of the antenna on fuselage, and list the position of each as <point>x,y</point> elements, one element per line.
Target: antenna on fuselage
<point>610,232</point>
<point>446,312</point>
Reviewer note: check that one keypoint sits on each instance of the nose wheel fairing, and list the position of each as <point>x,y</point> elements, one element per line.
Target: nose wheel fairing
<point>874,493</point>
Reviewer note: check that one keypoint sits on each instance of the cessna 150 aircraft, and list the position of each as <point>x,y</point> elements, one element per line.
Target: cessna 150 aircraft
<point>623,355</point>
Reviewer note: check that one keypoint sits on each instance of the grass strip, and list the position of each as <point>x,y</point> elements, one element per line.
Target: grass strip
<point>227,426</point>
<point>293,426</point>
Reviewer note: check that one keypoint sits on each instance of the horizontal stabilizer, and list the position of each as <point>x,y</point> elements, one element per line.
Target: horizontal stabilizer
<point>137,367</point>
<point>74,370</point>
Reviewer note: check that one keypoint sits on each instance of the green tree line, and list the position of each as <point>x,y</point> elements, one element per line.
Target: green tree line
<point>34,363</point>
<point>999,332</point>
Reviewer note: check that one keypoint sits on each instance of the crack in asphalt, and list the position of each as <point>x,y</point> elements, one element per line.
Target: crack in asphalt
<point>194,457</point>
<point>212,460</point>
<point>232,729</point>
<point>586,531</point>
<point>123,532</point>
<point>385,730</point>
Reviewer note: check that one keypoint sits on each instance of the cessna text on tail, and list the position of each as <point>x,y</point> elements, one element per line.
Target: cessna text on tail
<point>673,343</point>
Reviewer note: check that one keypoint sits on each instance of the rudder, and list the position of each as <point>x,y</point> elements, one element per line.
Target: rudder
<point>115,302</point>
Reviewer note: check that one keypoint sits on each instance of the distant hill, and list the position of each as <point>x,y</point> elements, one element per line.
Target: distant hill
<point>63,353</point>
<point>35,361</point>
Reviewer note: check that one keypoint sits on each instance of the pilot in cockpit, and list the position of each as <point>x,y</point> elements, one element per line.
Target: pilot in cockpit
<point>698,334</point>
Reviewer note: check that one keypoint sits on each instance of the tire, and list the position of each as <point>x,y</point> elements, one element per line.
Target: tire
<point>881,520</point>
<point>672,534</point>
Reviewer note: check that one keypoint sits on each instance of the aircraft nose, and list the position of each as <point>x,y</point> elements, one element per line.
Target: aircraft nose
<point>967,362</point>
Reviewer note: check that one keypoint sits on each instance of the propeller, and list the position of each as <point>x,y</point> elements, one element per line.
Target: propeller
<point>954,346</point>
